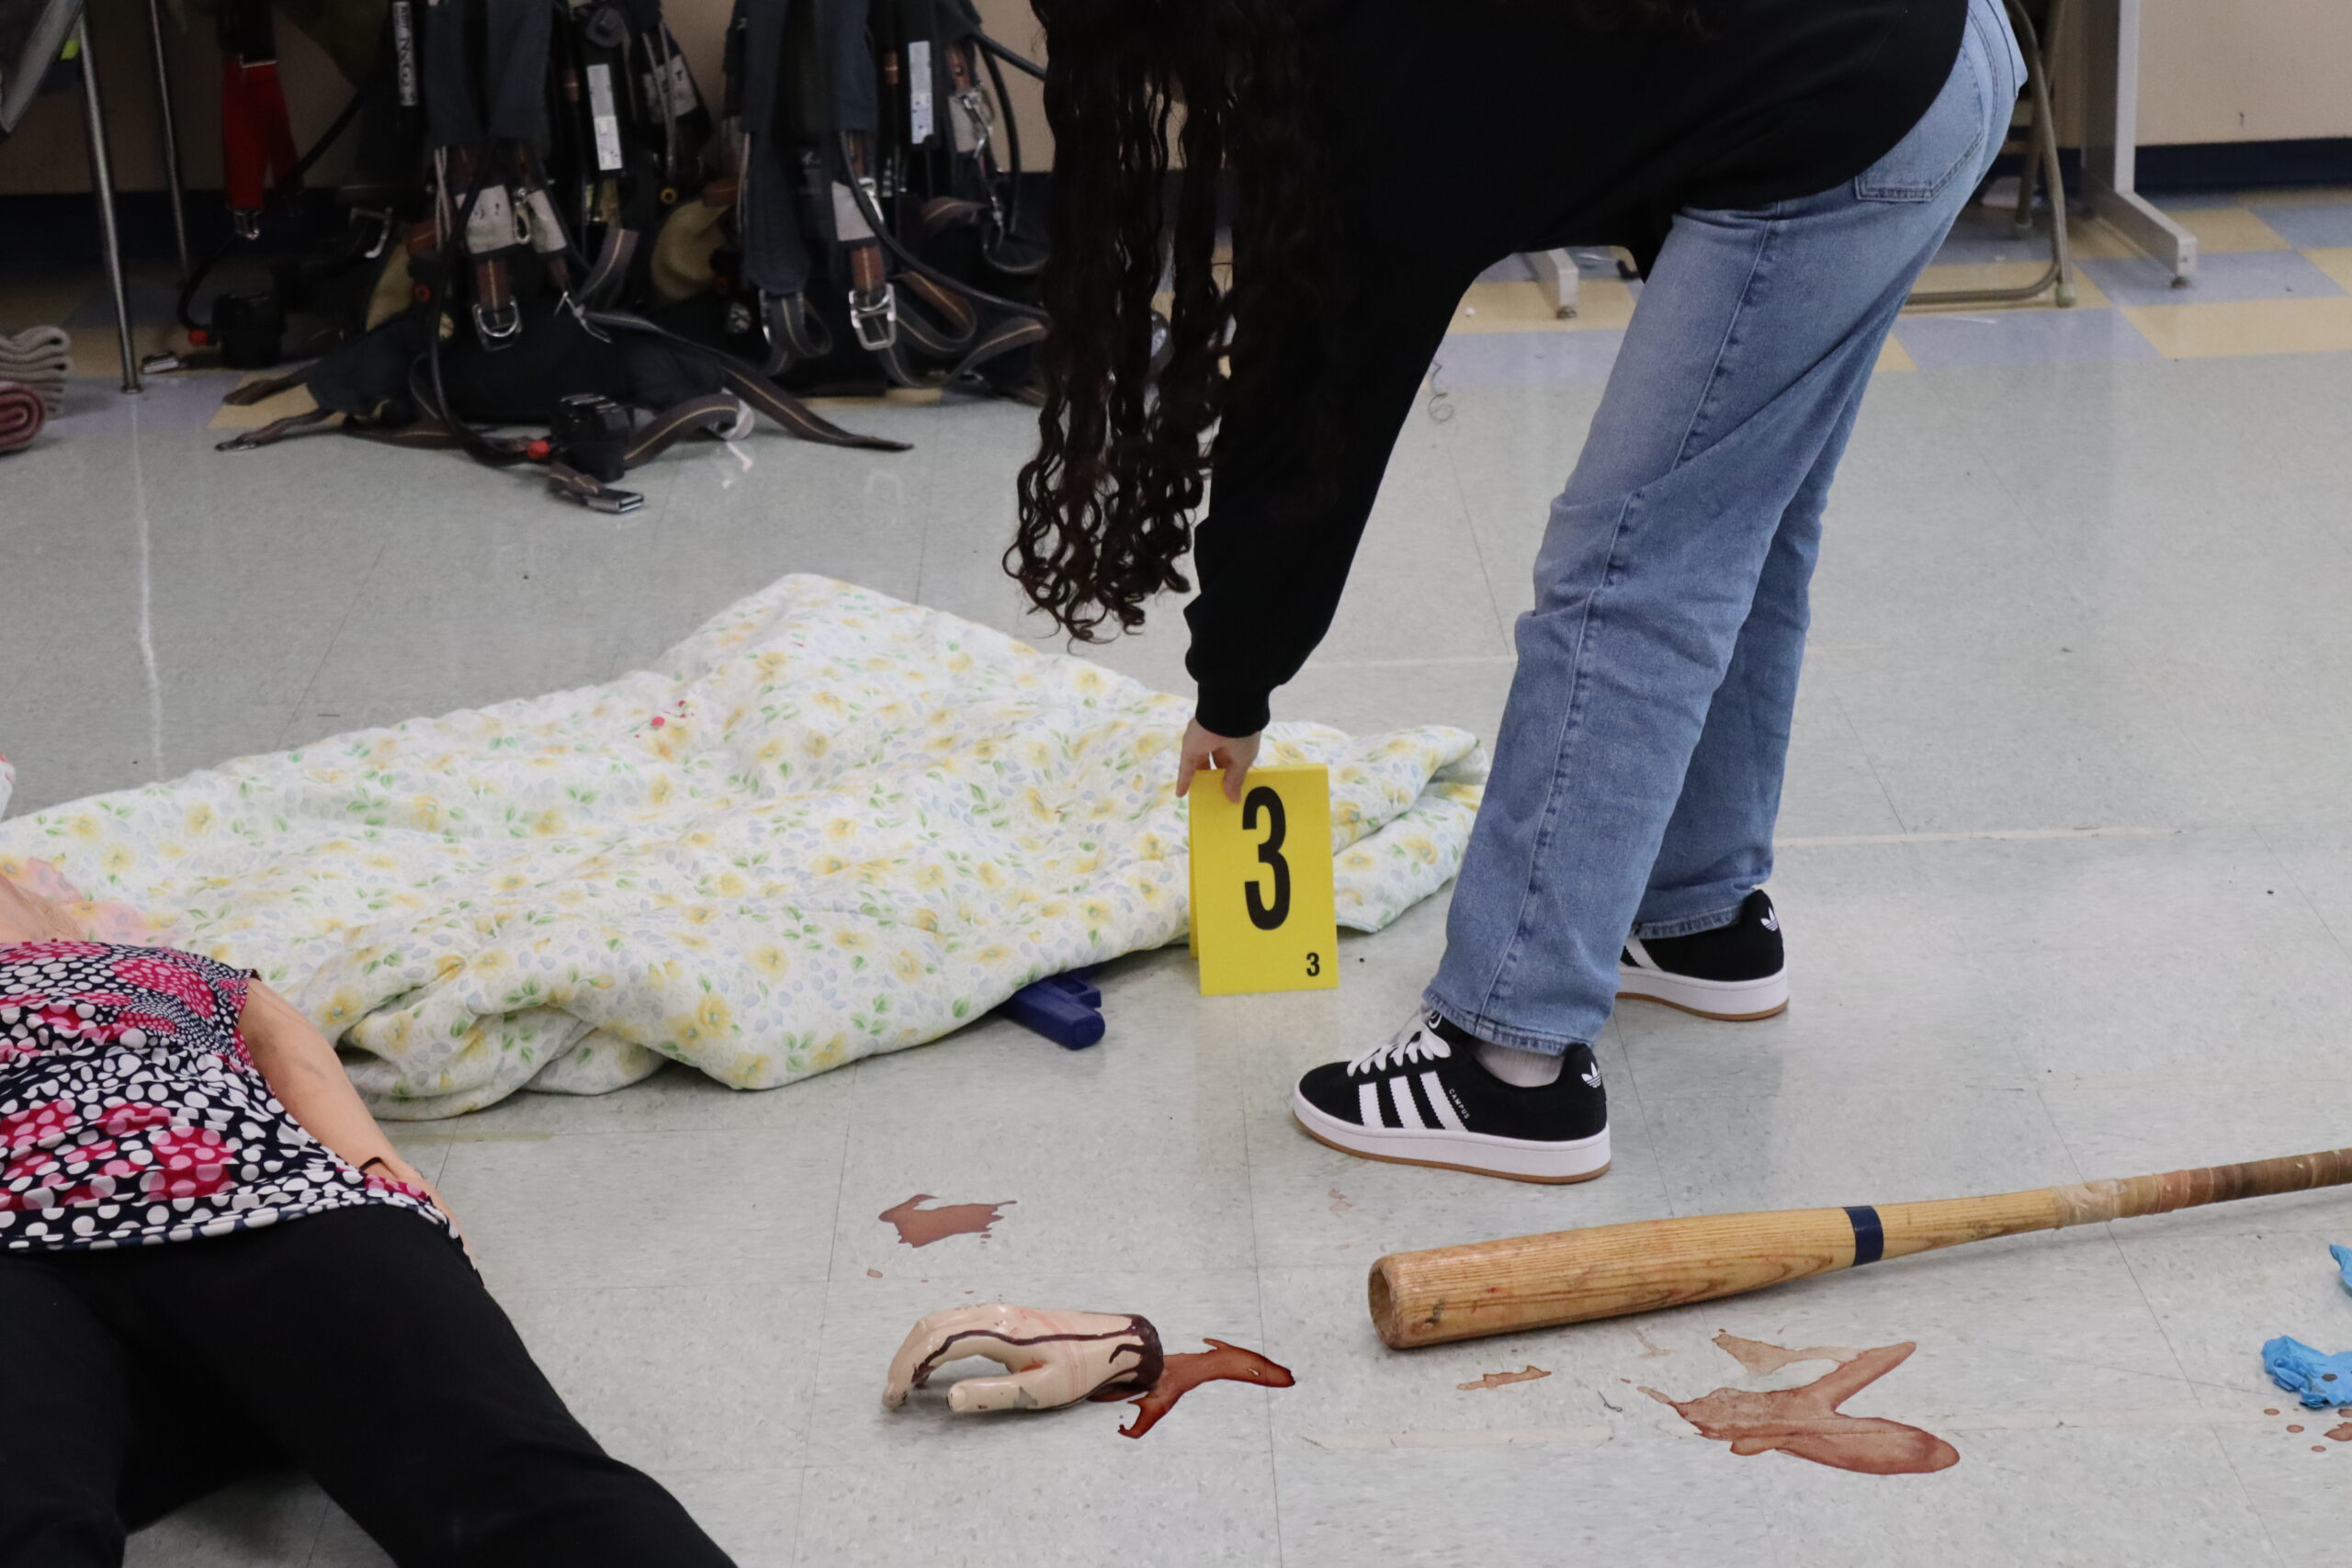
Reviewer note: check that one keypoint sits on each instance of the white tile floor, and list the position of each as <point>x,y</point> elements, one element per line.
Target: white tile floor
<point>2066,856</point>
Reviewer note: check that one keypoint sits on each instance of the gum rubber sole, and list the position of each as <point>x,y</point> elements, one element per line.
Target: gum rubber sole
<point>1330,1143</point>
<point>1724,1001</point>
<point>1701,1012</point>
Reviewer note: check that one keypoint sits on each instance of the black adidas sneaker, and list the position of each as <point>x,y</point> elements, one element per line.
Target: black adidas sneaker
<point>1735,973</point>
<point>1422,1099</point>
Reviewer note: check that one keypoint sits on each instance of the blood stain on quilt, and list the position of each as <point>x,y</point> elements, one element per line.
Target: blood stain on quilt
<point>1186,1370</point>
<point>919,1226</point>
<point>1497,1380</point>
<point>2340,1433</point>
<point>1806,1423</point>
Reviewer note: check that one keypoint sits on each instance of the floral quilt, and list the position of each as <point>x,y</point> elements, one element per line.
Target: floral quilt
<point>826,825</point>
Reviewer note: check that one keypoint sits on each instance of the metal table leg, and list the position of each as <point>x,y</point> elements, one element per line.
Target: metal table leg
<point>102,184</point>
<point>171,136</point>
<point>2110,139</point>
<point>1556,271</point>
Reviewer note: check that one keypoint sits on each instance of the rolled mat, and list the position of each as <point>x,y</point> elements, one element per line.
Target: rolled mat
<point>38,358</point>
<point>21,415</point>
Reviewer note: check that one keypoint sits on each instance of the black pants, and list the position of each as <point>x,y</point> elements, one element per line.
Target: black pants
<point>358,1346</point>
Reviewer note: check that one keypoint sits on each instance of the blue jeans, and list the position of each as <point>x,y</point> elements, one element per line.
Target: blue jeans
<point>1638,772</point>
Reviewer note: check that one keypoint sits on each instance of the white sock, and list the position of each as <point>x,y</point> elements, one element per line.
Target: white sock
<point>1523,1069</point>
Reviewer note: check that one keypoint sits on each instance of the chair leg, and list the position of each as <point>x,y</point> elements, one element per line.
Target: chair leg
<point>172,180</point>
<point>2040,163</point>
<point>2061,248</point>
<point>1556,272</point>
<point>2044,149</point>
<point>102,186</point>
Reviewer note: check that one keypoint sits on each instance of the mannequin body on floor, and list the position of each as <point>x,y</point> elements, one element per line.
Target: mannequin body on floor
<point>213,1263</point>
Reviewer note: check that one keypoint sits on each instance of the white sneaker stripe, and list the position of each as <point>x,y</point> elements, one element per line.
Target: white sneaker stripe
<point>1408,1114</point>
<point>1368,1104</point>
<point>1640,955</point>
<point>1440,1102</point>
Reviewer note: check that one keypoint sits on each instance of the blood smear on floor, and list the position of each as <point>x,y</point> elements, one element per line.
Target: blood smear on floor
<point>1187,1371</point>
<point>919,1226</point>
<point>1805,1421</point>
<point>1497,1380</point>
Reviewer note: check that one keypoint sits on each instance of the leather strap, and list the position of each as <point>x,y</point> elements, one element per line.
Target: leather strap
<point>794,334</point>
<point>278,430</point>
<point>1014,331</point>
<point>611,269</point>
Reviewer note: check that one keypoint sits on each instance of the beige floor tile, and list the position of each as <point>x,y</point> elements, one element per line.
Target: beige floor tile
<point>2293,196</point>
<point>2245,326</point>
<point>26,305</point>
<point>2220,229</point>
<point>1524,307</point>
<point>2333,260</point>
<point>96,355</point>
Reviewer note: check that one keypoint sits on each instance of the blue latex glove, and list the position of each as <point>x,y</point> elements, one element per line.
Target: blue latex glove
<point>2319,1380</point>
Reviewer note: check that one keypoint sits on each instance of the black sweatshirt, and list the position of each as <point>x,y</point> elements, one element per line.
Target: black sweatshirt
<point>1465,130</point>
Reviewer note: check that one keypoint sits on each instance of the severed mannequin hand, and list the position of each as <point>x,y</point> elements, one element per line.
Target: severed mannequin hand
<point>1051,1358</point>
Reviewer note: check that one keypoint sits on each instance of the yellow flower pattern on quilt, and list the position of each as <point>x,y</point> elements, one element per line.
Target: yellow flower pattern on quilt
<point>826,825</point>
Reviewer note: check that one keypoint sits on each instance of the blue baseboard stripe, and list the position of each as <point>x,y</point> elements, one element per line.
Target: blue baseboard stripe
<point>1869,1241</point>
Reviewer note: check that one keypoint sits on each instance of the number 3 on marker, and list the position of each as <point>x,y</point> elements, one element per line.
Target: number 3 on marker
<point>1265,917</point>
<point>1261,882</point>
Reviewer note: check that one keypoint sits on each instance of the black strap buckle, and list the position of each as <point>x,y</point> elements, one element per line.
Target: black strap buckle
<point>384,223</point>
<point>495,328</point>
<point>875,318</point>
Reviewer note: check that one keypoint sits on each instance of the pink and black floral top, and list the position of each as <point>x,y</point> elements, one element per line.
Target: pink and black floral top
<point>130,1113</point>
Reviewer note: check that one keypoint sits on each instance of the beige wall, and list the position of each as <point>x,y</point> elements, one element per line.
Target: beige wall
<point>2244,69</point>
<point>2211,70</point>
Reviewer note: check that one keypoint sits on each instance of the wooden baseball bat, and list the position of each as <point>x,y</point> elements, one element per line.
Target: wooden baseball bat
<point>1542,1282</point>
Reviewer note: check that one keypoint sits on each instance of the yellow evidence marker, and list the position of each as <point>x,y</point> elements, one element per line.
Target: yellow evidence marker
<point>1263,914</point>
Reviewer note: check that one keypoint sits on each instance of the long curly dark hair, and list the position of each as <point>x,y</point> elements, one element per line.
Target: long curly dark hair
<point>1220,92</point>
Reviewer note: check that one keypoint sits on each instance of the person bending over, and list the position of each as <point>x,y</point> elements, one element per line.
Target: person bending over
<point>1783,169</point>
<point>212,1262</point>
